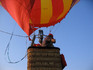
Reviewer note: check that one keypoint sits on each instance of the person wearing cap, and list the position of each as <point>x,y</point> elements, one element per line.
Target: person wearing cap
<point>48,41</point>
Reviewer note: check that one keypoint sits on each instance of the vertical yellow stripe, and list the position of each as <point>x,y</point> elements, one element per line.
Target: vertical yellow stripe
<point>30,21</point>
<point>0,3</point>
<point>67,5</point>
<point>46,11</point>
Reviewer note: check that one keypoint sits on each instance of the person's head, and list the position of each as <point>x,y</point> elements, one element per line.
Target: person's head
<point>50,35</point>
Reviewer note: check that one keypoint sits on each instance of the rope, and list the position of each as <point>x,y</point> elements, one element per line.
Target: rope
<point>7,52</point>
<point>12,34</point>
<point>51,28</point>
<point>18,60</point>
<point>8,46</point>
<point>57,27</point>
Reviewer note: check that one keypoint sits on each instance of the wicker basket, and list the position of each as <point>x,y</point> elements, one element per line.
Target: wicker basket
<point>44,58</point>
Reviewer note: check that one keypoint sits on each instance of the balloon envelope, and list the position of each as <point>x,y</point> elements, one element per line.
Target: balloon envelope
<point>30,14</point>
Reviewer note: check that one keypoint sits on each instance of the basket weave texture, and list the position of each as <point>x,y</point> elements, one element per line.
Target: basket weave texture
<point>44,59</point>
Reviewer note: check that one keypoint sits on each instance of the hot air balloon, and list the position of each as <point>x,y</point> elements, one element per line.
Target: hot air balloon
<point>33,14</point>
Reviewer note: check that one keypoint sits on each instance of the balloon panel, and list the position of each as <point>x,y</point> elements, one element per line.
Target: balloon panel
<point>37,13</point>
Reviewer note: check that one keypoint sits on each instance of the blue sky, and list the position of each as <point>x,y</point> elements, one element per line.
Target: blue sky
<point>74,37</point>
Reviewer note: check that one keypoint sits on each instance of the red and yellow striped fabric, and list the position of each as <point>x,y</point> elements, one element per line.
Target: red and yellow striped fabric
<point>37,13</point>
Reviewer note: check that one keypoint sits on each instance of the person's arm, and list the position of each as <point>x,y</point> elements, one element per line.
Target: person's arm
<point>53,40</point>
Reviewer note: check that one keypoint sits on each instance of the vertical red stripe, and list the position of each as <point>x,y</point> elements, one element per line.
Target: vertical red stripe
<point>58,8</point>
<point>35,14</point>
